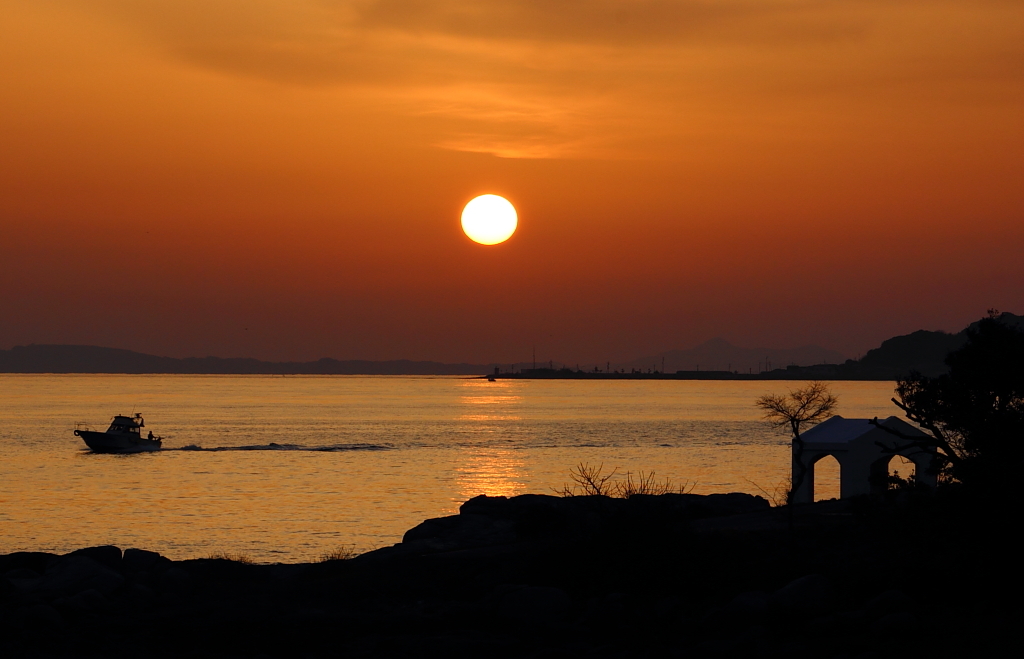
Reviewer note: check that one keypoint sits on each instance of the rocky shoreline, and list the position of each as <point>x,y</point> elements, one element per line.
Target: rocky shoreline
<point>674,575</point>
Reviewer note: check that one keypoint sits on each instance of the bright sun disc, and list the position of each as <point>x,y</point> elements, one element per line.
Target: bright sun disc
<point>489,219</point>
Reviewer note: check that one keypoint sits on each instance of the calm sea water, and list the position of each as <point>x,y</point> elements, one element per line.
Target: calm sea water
<point>287,468</point>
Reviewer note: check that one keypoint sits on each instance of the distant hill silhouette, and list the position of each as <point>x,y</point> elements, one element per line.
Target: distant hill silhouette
<point>720,355</point>
<point>923,351</point>
<point>94,359</point>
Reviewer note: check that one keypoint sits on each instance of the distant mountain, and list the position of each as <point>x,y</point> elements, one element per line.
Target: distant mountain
<point>922,351</point>
<point>720,355</point>
<point>94,359</point>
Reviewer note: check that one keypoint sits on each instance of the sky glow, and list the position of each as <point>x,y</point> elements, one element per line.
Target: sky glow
<point>778,173</point>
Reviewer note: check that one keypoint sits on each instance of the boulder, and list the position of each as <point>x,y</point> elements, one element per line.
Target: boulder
<point>530,605</point>
<point>141,595</point>
<point>108,556</point>
<point>8,591</point>
<point>72,574</point>
<point>710,505</point>
<point>608,612</point>
<point>541,514</point>
<point>485,505</point>
<point>42,618</point>
<point>30,560</point>
<point>887,602</point>
<point>176,581</point>
<point>809,594</point>
<point>894,624</point>
<point>86,602</point>
<point>753,603</point>
<point>140,560</point>
<point>462,532</point>
<point>22,573</point>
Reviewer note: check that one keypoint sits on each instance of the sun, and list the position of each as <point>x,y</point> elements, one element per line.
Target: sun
<point>489,219</point>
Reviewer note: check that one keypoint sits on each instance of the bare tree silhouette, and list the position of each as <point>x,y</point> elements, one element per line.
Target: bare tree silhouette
<point>796,411</point>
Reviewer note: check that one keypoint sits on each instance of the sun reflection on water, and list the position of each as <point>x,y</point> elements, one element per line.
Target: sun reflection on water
<point>494,472</point>
<point>490,401</point>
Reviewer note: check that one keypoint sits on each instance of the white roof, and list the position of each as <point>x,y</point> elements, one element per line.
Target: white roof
<point>838,430</point>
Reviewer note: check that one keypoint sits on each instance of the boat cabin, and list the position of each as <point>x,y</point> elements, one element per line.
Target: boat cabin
<point>127,424</point>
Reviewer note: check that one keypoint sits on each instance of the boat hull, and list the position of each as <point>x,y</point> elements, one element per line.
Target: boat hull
<point>104,442</point>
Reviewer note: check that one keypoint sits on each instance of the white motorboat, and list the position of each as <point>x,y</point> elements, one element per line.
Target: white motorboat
<point>123,436</point>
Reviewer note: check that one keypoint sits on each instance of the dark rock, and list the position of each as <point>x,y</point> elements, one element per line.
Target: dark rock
<point>25,587</point>
<point>73,574</point>
<point>544,516</point>
<point>834,624</point>
<point>530,605</point>
<point>29,560</point>
<point>809,594</point>
<point>86,602</point>
<point>176,581</point>
<point>571,510</point>
<point>139,560</point>
<point>612,610</point>
<point>798,647</point>
<point>890,601</point>
<point>463,531</point>
<point>141,595</point>
<point>754,641</point>
<point>751,603</point>
<point>108,556</point>
<point>719,647</point>
<point>429,529</point>
<point>485,505</point>
<point>42,617</point>
<point>288,571</point>
<point>22,573</point>
<point>894,624</point>
<point>8,591</point>
<point>734,503</point>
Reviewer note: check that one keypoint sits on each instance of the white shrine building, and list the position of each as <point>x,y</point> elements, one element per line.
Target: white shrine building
<point>863,451</point>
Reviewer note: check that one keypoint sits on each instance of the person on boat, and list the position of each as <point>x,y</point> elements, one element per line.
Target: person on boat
<point>150,434</point>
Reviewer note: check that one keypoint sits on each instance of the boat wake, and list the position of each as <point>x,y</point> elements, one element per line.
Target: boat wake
<point>334,448</point>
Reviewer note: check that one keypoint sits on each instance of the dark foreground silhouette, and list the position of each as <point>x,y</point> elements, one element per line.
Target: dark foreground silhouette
<point>907,575</point>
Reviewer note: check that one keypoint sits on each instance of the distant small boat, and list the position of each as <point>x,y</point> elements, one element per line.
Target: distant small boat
<point>123,436</point>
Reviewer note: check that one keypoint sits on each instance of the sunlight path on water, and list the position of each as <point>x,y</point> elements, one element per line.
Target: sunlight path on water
<point>287,468</point>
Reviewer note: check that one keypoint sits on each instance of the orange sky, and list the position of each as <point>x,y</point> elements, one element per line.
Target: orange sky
<point>283,179</point>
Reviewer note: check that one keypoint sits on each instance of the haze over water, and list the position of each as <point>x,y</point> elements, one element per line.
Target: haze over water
<point>358,460</point>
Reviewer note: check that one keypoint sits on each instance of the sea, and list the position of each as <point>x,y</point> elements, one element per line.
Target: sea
<point>292,468</point>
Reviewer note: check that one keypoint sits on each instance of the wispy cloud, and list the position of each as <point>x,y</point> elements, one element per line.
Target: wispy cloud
<point>535,78</point>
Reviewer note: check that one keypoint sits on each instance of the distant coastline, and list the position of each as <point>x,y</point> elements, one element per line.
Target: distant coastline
<point>819,372</point>
<point>99,360</point>
<point>922,351</point>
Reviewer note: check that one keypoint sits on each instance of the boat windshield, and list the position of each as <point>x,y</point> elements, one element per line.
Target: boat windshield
<point>122,424</point>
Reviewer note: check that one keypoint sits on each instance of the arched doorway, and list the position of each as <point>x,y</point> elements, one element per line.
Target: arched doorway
<point>901,468</point>
<point>826,483</point>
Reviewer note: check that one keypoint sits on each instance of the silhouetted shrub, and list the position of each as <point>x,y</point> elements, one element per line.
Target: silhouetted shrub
<point>591,481</point>
<point>342,553</point>
<point>974,415</point>
<point>234,558</point>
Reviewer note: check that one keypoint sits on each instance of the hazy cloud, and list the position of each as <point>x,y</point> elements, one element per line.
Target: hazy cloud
<point>569,76</point>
